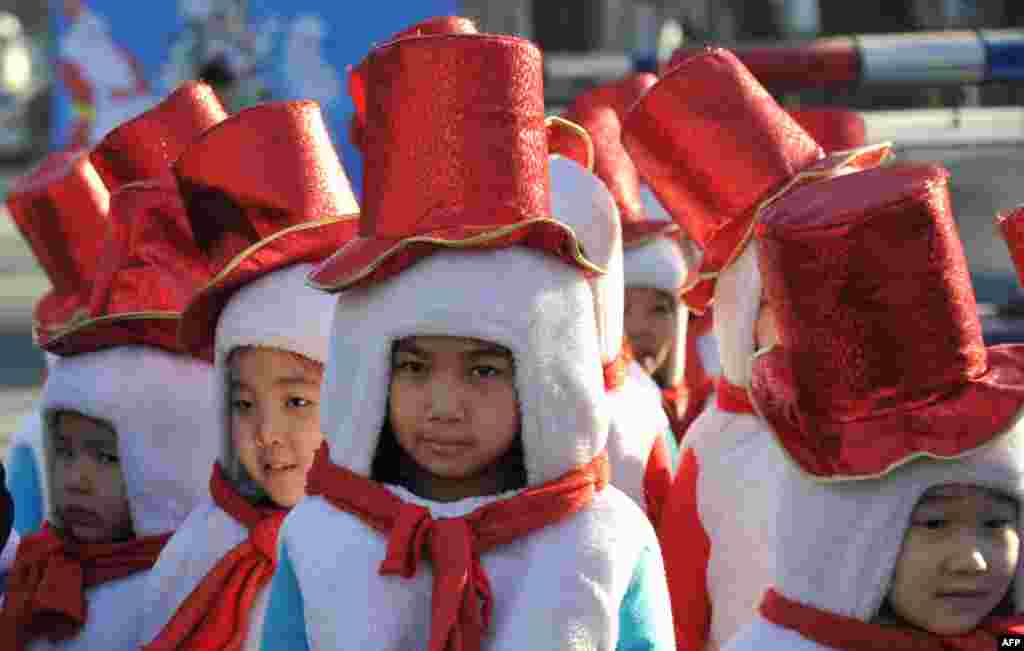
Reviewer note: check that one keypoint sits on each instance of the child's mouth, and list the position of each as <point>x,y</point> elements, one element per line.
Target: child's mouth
<point>445,448</point>
<point>79,517</point>
<point>272,468</point>
<point>965,599</point>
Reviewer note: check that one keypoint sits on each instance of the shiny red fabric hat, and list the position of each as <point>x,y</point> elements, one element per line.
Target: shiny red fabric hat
<point>456,123</point>
<point>880,357</point>
<point>569,140</point>
<point>833,129</point>
<point>61,210</point>
<point>149,268</point>
<point>263,190</point>
<point>1011,226</point>
<point>600,111</point>
<point>145,147</point>
<point>357,74</point>
<point>716,149</point>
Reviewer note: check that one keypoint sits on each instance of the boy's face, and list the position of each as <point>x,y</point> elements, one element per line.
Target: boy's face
<point>651,326</point>
<point>89,491</point>
<point>957,561</point>
<point>453,404</point>
<point>275,419</point>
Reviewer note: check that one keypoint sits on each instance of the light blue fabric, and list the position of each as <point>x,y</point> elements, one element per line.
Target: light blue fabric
<point>645,616</point>
<point>284,625</point>
<point>673,449</point>
<point>24,483</point>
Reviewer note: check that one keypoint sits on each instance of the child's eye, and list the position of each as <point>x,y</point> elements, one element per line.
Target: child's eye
<point>933,523</point>
<point>240,405</point>
<point>661,310</point>
<point>62,452</point>
<point>485,371</point>
<point>108,459</point>
<point>1000,523</point>
<point>410,366</point>
<point>297,402</point>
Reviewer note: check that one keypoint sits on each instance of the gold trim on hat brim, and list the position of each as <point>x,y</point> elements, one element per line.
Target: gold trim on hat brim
<point>80,321</point>
<point>577,254</point>
<point>580,131</point>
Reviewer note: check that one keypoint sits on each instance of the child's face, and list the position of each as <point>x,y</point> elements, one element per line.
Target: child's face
<point>275,419</point>
<point>89,491</point>
<point>957,561</point>
<point>651,326</point>
<point>453,404</point>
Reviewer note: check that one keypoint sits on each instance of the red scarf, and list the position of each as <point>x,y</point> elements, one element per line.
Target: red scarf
<point>215,615</point>
<point>848,634</point>
<point>615,370</point>
<point>462,598</point>
<point>733,398</point>
<point>45,595</point>
<point>694,399</point>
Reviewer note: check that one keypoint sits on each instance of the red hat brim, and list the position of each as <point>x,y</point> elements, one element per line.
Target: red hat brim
<point>942,426</point>
<point>365,260</point>
<point>305,243</point>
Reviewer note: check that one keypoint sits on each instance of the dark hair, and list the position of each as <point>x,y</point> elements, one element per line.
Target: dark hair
<point>393,465</point>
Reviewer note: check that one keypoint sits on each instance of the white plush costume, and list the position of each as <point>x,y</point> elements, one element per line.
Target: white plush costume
<point>166,443</point>
<point>638,424</point>
<point>572,584</point>
<point>262,314</point>
<point>843,538</point>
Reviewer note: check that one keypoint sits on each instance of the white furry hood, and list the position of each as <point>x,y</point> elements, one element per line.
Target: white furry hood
<point>162,408</point>
<point>529,302</point>
<point>277,311</point>
<point>838,542</point>
<point>737,302</point>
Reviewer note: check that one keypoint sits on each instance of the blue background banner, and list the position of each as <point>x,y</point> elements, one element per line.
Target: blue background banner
<point>115,58</point>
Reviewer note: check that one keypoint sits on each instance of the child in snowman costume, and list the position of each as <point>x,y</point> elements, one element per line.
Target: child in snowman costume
<point>142,148</point>
<point>126,415</point>
<point>641,462</point>
<point>267,197</point>
<point>464,400</point>
<point>901,492</point>
<point>717,149</point>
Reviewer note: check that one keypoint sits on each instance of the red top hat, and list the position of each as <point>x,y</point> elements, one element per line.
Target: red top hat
<point>716,149</point>
<point>833,129</point>
<point>61,210</point>
<point>457,123</point>
<point>569,140</point>
<point>881,358</point>
<point>263,190</point>
<point>357,75</point>
<point>600,111</point>
<point>1011,225</point>
<point>145,147</point>
<point>149,268</point>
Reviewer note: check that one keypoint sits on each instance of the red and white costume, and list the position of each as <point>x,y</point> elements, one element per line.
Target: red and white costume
<point>871,408</point>
<point>640,458</point>
<point>717,149</point>
<point>116,335</point>
<point>458,239</point>
<point>267,197</point>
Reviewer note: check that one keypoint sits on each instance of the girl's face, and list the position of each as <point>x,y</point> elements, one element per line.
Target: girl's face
<point>275,419</point>
<point>957,561</point>
<point>651,326</point>
<point>454,411</point>
<point>89,491</point>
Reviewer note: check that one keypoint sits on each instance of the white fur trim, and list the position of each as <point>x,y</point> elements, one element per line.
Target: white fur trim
<point>827,563</point>
<point>638,421</point>
<point>582,201</point>
<point>737,301</point>
<point>51,359</point>
<point>739,464</point>
<point>9,551</point>
<point>111,623</point>
<point>199,544</point>
<point>707,348</point>
<point>161,406</point>
<point>279,311</point>
<point>561,587</point>
<point>538,307</point>
<point>659,263</point>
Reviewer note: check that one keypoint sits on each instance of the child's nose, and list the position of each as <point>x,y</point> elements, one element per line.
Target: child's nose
<point>970,558</point>
<point>269,428</point>
<point>78,476</point>
<point>445,398</point>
